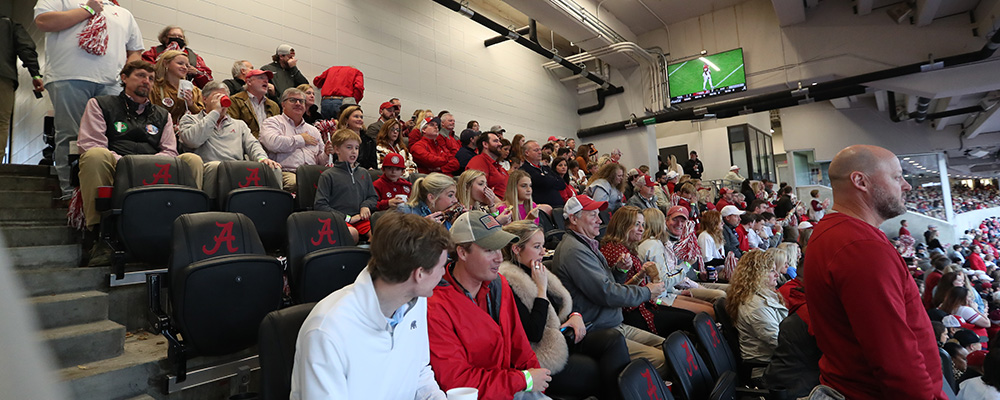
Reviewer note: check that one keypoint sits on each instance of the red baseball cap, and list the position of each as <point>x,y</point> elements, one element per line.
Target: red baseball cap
<point>553,138</point>
<point>583,203</point>
<point>254,72</point>
<point>678,211</point>
<point>386,105</point>
<point>976,358</point>
<point>649,181</point>
<point>393,160</point>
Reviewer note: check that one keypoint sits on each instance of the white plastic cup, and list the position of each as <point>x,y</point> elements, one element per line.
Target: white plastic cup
<point>463,393</point>
<point>402,197</point>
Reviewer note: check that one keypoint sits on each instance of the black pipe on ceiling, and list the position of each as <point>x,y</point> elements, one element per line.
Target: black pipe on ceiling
<point>819,91</point>
<point>923,104</point>
<point>503,38</point>
<point>500,29</point>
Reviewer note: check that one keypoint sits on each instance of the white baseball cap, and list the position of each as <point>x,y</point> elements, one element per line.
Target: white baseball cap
<point>731,210</point>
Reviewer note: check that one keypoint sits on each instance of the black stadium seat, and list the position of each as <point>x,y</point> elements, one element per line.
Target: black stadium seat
<point>720,357</point>
<point>149,193</point>
<point>640,381</point>
<point>220,285</point>
<point>691,378</point>
<point>321,255</point>
<point>278,333</point>
<point>307,179</point>
<point>250,188</point>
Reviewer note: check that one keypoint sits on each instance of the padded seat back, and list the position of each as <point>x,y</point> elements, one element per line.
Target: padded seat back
<point>725,387</point>
<point>640,381</point>
<point>690,374</point>
<point>278,333</point>
<point>307,179</point>
<point>948,368</point>
<point>326,271</point>
<point>136,171</point>
<point>728,328</point>
<point>558,218</point>
<point>309,231</point>
<point>221,285</point>
<point>251,188</point>
<point>151,192</point>
<point>720,356</point>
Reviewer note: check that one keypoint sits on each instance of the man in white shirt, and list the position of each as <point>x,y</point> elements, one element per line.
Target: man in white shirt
<point>369,339</point>
<point>73,73</point>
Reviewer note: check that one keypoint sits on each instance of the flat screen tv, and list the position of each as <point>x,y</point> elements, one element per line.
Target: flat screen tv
<point>707,76</point>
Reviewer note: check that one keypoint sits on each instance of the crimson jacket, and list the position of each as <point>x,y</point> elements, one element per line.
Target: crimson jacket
<point>473,347</point>
<point>434,156</point>
<point>386,190</point>
<point>867,316</point>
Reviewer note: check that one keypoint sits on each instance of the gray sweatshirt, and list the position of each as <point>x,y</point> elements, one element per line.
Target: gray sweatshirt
<point>230,140</point>
<point>346,190</point>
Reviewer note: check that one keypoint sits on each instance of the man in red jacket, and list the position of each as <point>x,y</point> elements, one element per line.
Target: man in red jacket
<point>476,337</point>
<point>430,154</point>
<point>488,161</point>
<point>866,312</point>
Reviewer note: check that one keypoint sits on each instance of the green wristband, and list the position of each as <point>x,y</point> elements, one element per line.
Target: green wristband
<point>90,10</point>
<point>527,378</point>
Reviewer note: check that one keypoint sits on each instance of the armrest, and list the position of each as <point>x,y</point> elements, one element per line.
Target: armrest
<point>103,202</point>
<point>158,319</point>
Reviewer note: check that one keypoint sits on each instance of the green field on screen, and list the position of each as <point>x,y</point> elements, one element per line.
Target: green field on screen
<point>686,77</point>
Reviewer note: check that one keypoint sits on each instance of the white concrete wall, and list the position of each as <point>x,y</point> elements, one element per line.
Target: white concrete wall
<point>709,138</point>
<point>416,50</point>
<point>917,223</point>
<point>828,130</point>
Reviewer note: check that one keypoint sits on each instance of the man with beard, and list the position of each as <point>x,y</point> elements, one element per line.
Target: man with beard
<point>867,316</point>
<point>119,125</point>
<point>488,161</point>
<point>285,73</point>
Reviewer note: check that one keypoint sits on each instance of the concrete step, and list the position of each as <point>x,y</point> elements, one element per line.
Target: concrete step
<point>26,170</point>
<point>125,376</point>
<point>64,255</point>
<point>28,183</point>
<point>84,343</point>
<point>26,199</point>
<point>39,235</point>
<point>41,214</point>
<point>58,310</point>
<point>45,281</point>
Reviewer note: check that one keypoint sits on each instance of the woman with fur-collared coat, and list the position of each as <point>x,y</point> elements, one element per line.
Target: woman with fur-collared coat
<point>582,364</point>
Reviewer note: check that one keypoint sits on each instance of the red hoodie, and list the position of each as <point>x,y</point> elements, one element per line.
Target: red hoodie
<point>387,190</point>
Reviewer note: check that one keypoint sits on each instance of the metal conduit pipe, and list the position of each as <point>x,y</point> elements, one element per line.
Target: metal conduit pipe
<point>500,29</point>
<point>657,80</point>
<point>503,38</point>
<point>821,91</point>
<point>920,114</point>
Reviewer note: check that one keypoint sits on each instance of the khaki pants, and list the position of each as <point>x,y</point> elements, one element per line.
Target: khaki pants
<point>709,295</point>
<point>97,168</point>
<point>288,182</point>
<point>210,183</point>
<point>642,344</point>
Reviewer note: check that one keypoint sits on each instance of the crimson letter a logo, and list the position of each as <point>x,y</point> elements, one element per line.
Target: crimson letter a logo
<point>252,179</point>
<point>324,231</point>
<point>225,236</point>
<point>163,173</point>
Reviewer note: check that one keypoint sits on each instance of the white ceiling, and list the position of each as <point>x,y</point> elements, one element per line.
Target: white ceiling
<point>641,19</point>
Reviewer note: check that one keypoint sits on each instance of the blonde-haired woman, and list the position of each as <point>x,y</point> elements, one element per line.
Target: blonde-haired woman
<point>672,165</point>
<point>171,69</point>
<point>587,365</point>
<point>518,199</point>
<point>710,238</point>
<point>433,197</point>
<point>672,271</point>
<point>755,306</point>
<point>473,194</point>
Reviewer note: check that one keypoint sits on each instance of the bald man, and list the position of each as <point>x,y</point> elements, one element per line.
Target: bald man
<point>866,312</point>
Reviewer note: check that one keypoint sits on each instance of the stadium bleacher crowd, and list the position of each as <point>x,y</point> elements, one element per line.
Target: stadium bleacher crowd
<point>523,268</point>
<point>929,201</point>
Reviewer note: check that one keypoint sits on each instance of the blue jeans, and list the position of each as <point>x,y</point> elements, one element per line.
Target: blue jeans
<point>330,108</point>
<point>69,99</point>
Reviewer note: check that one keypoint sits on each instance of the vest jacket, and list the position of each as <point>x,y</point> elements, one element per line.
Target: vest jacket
<point>128,132</point>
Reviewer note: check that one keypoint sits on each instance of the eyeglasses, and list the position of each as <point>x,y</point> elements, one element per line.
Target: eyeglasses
<point>295,100</point>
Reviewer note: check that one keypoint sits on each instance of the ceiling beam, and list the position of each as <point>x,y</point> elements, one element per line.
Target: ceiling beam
<point>864,7</point>
<point>943,105</point>
<point>881,100</point>
<point>984,119</point>
<point>926,10</point>
<point>790,12</point>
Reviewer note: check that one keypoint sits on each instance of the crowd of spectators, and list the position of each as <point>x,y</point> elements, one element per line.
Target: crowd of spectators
<point>456,293</point>
<point>929,201</point>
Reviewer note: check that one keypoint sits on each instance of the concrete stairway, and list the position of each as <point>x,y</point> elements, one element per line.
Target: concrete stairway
<point>71,303</point>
